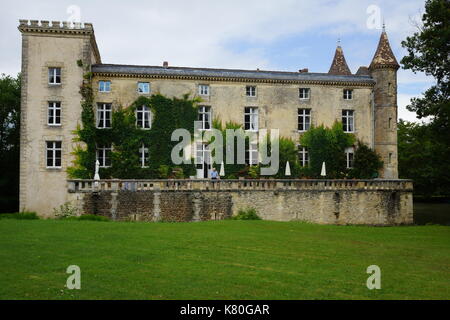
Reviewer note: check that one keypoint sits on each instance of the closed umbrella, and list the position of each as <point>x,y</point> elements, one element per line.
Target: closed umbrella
<point>323,173</point>
<point>287,172</point>
<point>222,169</point>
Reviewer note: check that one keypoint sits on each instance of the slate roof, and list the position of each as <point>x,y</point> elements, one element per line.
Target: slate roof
<point>116,69</point>
<point>384,57</point>
<point>339,65</point>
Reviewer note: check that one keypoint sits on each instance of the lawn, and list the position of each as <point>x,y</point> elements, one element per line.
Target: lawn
<point>221,260</point>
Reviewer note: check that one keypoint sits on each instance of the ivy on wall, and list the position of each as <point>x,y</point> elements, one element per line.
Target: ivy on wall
<point>126,138</point>
<point>168,114</point>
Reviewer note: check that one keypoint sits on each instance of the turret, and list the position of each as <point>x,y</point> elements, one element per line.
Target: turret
<point>383,70</point>
<point>339,65</point>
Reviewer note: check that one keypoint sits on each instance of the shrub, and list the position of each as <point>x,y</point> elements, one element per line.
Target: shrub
<point>20,216</point>
<point>366,164</point>
<point>92,217</point>
<point>66,210</point>
<point>246,214</point>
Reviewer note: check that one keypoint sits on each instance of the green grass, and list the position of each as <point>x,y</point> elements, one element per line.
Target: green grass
<point>221,260</point>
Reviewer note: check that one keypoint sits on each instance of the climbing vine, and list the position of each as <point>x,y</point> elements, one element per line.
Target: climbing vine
<point>126,138</point>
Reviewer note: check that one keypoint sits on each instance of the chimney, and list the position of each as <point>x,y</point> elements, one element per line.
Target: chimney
<point>165,64</point>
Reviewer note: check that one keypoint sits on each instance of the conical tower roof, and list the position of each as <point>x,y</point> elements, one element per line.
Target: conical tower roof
<point>339,65</point>
<point>384,57</point>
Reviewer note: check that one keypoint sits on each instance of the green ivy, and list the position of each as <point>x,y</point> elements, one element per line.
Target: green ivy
<point>327,145</point>
<point>126,138</point>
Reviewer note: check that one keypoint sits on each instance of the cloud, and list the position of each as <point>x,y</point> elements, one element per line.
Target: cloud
<point>227,34</point>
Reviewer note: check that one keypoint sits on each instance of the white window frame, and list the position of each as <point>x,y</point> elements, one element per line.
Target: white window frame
<point>252,122</point>
<point>349,157</point>
<point>104,113</point>
<point>104,86</point>
<point>203,89</point>
<point>54,75</point>
<point>348,120</point>
<point>303,156</point>
<point>348,94</point>
<point>144,115</point>
<point>252,154</point>
<point>304,119</point>
<point>104,151</point>
<point>139,87</point>
<point>52,110</point>
<point>304,93</point>
<point>144,156</point>
<point>250,91</point>
<point>204,116</point>
<point>54,149</point>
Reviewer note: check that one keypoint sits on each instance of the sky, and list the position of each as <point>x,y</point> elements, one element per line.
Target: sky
<point>285,35</point>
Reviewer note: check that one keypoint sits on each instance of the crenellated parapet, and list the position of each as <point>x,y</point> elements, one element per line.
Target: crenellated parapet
<point>62,28</point>
<point>55,26</point>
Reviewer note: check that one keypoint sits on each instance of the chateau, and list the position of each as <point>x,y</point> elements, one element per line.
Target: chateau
<point>52,52</point>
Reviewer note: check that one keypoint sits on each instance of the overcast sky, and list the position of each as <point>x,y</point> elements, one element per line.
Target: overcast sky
<point>266,34</point>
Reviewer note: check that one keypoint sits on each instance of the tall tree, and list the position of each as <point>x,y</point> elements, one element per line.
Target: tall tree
<point>9,143</point>
<point>429,52</point>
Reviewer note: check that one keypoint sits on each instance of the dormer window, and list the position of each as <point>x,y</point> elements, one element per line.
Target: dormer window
<point>348,94</point>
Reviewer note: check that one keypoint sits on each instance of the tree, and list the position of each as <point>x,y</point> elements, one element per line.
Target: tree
<point>417,161</point>
<point>366,162</point>
<point>9,142</point>
<point>429,52</point>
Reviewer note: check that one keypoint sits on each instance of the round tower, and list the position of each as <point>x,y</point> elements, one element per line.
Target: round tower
<point>383,70</point>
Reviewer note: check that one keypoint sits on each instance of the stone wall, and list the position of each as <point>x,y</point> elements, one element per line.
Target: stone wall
<point>370,202</point>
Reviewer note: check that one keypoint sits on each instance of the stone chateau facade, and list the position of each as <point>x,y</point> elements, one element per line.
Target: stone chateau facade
<point>366,102</point>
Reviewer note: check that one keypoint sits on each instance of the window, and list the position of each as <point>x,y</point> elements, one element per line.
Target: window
<point>103,115</point>
<point>204,115</point>
<point>53,154</point>
<point>390,158</point>
<point>54,75</point>
<point>104,155</point>
<point>304,119</point>
<point>303,156</point>
<point>203,90</point>
<point>389,123</point>
<point>304,93</point>
<point>143,87</point>
<point>250,91</point>
<point>143,156</point>
<point>348,94</point>
<point>104,86</point>
<point>54,113</point>
<point>348,120</point>
<point>349,154</point>
<point>251,154</point>
<point>143,117</point>
<point>251,118</point>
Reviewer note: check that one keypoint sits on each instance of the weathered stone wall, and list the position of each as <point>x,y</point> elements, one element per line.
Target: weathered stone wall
<point>324,202</point>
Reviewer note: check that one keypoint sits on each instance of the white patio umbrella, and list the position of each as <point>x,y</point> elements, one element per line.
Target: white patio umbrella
<point>323,173</point>
<point>222,169</point>
<point>287,172</point>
